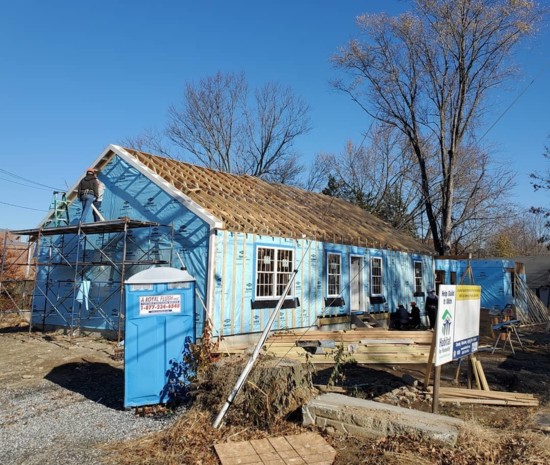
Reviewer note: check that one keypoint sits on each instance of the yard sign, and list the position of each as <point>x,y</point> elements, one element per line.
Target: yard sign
<point>457,329</point>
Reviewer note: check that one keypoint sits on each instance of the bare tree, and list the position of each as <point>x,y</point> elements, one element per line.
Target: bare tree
<point>481,200</point>
<point>209,125</point>
<point>518,236</point>
<point>217,125</point>
<point>542,182</point>
<point>427,73</point>
<point>376,177</point>
<point>317,177</point>
<point>272,127</point>
<point>151,140</point>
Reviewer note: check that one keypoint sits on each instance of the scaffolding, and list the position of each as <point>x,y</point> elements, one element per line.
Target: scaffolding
<point>74,275</point>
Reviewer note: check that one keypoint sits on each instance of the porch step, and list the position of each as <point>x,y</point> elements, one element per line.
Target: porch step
<point>365,320</point>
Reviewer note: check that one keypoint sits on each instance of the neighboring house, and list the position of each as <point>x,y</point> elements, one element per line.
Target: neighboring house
<point>16,276</point>
<point>239,237</point>
<point>15,255</point>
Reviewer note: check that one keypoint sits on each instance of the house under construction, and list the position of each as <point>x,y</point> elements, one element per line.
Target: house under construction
<point>241,239</point>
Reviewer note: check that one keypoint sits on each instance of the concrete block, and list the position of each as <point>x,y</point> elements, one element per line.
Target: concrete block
<point>365,418</point>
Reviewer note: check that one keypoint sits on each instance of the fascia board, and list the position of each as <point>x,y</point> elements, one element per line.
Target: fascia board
<point>201,212</point>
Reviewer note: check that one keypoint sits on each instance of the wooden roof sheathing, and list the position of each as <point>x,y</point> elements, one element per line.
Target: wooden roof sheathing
<point>250,205</point>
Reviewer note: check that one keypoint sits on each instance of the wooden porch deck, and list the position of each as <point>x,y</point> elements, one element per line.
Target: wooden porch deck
<point>364,345</point>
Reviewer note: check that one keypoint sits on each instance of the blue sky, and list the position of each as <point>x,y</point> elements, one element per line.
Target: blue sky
<point>79,75</point>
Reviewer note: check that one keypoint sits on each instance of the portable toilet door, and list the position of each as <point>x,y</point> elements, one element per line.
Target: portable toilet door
<point>160,321</point>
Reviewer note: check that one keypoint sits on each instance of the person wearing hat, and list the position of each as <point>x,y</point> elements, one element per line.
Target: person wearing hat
<point>87,192</point>
<point>431,307</point>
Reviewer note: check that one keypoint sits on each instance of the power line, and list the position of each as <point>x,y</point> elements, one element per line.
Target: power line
<point>26,185</point>
<point>29,180</point>
<point>21,206</point>
<point>514,101</point>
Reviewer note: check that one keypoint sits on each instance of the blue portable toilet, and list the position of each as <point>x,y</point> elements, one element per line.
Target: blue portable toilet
<point>160,320</point>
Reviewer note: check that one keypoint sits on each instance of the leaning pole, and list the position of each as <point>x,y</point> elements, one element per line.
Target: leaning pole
<point>246,371</point>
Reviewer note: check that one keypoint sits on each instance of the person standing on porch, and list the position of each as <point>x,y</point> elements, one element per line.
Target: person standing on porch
<point>431,307</point>
<point>415,316</point>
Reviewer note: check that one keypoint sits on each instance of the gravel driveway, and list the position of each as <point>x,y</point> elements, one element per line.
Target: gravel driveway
<point>61,400</point>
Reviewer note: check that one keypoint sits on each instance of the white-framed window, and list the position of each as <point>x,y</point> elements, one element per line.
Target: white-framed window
<point>334,274</point>
<point>274,268</point>
<point>417,277</point>
<point>376,281</point>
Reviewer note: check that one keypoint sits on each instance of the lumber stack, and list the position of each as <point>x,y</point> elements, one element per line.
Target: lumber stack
<point>385,353</point>
<point>481,396</point>
<point>355,335</point>
<point>364,345</point>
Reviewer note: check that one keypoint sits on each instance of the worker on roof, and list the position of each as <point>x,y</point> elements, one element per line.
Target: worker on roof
<point>88,192</point>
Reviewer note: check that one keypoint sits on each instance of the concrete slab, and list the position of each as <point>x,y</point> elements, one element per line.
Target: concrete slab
<point>300,449</point>
<point>365,418</point>
<point>541,421</point>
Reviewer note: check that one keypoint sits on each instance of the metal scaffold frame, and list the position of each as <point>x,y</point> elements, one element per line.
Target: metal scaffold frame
<point>85,253</point>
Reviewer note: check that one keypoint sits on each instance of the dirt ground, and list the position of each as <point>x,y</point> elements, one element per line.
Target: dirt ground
<point>85,365</point>
<point>81,364</point>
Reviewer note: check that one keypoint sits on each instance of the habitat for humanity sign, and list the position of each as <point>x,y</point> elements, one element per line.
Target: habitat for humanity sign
<point>158,304</point>
<point>457,329</point>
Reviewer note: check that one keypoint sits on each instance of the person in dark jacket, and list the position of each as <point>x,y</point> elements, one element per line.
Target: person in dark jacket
<point>87,192</point>
<point>402,318</point>
<point>431,307</point>
<point>415,316</point>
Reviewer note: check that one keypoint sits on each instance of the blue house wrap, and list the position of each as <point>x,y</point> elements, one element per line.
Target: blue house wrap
<point>495,276</point>
<point>238,236</point>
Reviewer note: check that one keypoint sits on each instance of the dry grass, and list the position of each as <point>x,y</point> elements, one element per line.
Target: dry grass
<point>11,320</point>
<point>476,445</point>
<point>491,435</point>
<point>190,441</point>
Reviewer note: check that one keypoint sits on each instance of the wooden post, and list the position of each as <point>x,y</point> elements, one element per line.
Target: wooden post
<point>430,362</point>
<point>482,378</point>
<point>437,383</point>
<point>470,374</point>
<point>457,374</point>
<point>474,370</point>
